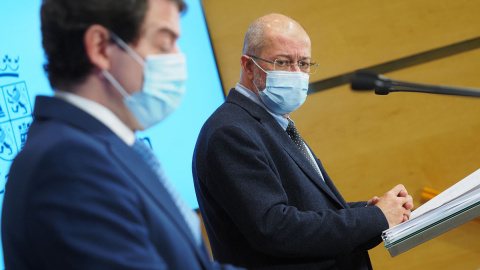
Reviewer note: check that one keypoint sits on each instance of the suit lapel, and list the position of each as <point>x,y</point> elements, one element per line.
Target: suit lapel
<point>148,180</point>
<point>302,162</point>
<point>288,145</point>
<point>330,184</point>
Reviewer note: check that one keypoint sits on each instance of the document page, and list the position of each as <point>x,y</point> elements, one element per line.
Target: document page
<point>464,186</point>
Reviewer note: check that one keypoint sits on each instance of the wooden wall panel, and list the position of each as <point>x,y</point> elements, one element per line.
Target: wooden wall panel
<point>369,143</point>
<point>346,35</point>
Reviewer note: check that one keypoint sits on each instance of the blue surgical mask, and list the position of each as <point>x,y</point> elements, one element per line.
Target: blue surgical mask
<point>163,87</point>
<point>285,91</point>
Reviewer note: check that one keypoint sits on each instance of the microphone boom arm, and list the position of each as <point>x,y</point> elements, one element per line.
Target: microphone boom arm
<point>367,80</point>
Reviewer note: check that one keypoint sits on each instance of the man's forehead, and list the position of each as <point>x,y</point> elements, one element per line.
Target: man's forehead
<point>285,32</point>
<point>292,56</point>
<point>293,46</point>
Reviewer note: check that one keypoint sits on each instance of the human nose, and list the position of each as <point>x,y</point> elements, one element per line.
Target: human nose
<point>294,67</point>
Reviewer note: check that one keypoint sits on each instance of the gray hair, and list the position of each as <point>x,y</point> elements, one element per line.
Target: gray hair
<point>254,41</point>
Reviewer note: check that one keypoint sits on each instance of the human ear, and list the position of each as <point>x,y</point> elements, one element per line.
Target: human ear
<point>247,66</point>
<point>98,46</point>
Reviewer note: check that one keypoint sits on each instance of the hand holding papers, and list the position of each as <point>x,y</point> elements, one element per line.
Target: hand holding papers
<point>395,205</point>
<point>455,206</point>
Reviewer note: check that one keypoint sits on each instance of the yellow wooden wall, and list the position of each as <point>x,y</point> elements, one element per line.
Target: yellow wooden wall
<point>370,143</point>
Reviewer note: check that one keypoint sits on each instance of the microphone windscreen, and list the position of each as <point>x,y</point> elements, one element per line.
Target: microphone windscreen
<point>363,83</point>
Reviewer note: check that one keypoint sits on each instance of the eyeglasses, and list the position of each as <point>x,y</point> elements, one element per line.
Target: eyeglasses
<point>305,66</point>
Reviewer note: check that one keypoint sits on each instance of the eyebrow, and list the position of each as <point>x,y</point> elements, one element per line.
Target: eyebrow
<point>167,30</point>
<point>290,56</point>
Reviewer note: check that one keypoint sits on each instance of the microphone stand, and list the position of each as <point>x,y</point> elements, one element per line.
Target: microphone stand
<point>366,80</point>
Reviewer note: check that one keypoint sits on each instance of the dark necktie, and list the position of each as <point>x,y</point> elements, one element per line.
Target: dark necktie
<point>190,217</point>
<point>297,139</point>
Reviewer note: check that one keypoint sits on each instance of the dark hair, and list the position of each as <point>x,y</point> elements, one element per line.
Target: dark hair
<point>64,23</point>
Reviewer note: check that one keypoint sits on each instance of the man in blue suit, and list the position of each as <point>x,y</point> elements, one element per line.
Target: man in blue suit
<point>266,200</point>
<point>84,193</point>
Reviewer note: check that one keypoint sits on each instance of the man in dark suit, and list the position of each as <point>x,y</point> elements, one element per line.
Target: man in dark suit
<point>265,198</point>
<point>84,193</point>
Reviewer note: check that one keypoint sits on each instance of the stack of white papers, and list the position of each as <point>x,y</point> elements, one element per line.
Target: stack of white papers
<point>455,206</point>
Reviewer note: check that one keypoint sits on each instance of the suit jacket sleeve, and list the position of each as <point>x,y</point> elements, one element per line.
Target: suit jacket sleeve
<point>241,179</point>
<point>357,204</point>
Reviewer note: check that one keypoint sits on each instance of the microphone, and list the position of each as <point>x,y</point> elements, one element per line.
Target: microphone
<point>368,80</point>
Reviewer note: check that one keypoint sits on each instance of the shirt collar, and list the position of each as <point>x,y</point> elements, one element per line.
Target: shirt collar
<point>101,113</point>
<point>253,97</point>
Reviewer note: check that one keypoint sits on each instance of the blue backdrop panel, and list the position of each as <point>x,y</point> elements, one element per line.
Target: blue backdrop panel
<point>22,78</point>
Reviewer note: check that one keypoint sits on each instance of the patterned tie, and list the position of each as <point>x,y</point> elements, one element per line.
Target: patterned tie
<point>190,217</point>
<point>297,139</point>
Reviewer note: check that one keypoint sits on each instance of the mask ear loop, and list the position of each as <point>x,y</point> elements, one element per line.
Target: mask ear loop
<point>256,88</point>
<point>255,62</point>
<point>115,84</point>
<point>127,48</point>
<point>253,82</point>
<point>135,56</point>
